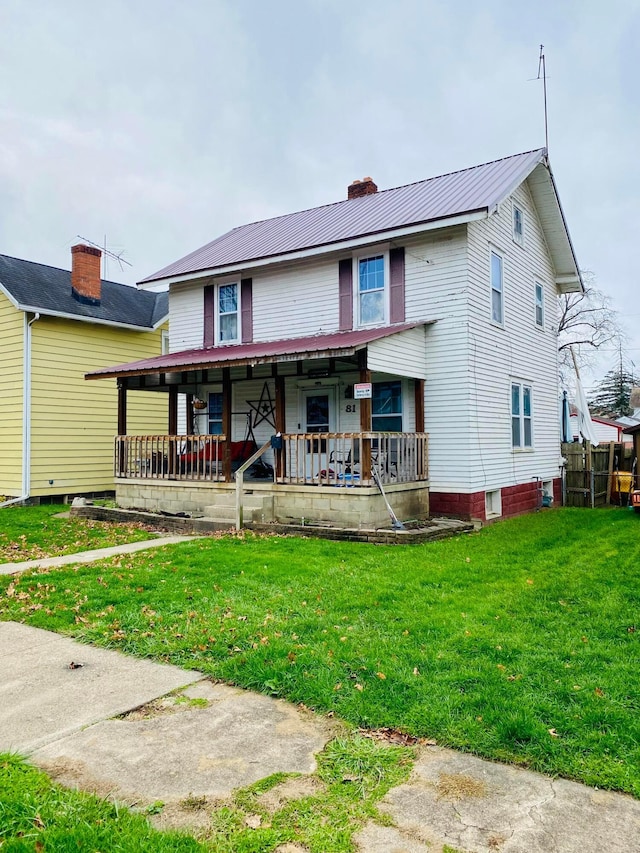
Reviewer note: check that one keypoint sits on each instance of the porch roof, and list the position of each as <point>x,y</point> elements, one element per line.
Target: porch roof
<point>333,345</point>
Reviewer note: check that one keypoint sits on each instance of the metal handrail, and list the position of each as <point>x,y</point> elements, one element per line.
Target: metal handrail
<point>240,481</point>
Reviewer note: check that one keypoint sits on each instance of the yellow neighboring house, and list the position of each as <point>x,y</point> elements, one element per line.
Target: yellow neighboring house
<point>56,430</point>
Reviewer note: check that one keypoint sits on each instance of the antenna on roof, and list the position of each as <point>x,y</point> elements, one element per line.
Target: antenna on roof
<point>542,68</point>
<point>106,254</point>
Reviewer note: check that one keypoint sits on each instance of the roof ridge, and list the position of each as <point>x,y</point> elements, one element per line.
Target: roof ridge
<point>63,269</point>
<point>380,192</point>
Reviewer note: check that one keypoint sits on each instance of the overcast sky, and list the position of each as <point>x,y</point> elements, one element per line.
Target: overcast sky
<point>162,125</point>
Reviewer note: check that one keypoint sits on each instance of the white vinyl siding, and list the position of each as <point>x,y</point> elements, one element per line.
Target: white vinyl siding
<point>521,352</point>
<point>403,354</point>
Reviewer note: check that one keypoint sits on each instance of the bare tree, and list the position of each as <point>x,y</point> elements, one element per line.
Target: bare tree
<point>587,322</point>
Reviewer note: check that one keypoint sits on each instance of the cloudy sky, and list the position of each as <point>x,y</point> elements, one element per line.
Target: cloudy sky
<point>161,125</point>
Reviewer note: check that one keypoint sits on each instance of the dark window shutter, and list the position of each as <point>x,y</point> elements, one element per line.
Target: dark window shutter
<point>345,279</point>
<point>209,309</point>
<point>396,285</point>
<point>246,303</point>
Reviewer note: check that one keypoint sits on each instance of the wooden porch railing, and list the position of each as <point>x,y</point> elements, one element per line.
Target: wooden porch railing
<point>346,459</point>
<point>326,459</point>
<point>170,457</point>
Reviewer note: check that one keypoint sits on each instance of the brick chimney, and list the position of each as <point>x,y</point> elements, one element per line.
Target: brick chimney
<point>85,274</point>
<point>360,188</point>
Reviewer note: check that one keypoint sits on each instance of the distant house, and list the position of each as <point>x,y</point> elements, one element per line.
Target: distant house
<point>56,430</point>
<point>605,430</point>
<point>404,335</point>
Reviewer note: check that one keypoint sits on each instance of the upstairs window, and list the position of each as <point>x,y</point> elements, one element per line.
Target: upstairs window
<point>386,406</point>
<point>518,225</point>
<point>521,406</point>
<point>539,305</point>
<point>228,327</point>
<point>497,293</point>
<point>371,290</point>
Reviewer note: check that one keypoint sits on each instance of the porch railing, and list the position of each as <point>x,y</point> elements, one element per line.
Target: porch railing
<point>170,457</point>
<point>347,459</point>
<point>326,458</point>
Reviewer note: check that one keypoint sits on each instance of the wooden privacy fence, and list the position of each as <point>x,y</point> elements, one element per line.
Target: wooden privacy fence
<point>595,476</point>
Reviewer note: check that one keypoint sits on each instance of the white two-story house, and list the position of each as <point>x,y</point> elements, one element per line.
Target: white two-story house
<point>403,338</point>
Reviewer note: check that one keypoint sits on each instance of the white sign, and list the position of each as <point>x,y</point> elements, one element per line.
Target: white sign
<point>362,391</point>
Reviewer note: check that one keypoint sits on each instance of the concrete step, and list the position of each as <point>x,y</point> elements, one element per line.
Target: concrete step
<point>255,507</point>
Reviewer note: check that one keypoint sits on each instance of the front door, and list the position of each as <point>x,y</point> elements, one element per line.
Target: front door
<point>318,416</point>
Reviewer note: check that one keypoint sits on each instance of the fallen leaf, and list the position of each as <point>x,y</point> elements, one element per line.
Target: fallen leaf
<point>599,692</point>
<point>553,733</point>
<point>359,687</point>
<point>253,821</point>
<point>381,675</point>
<point>416,671</point>
<point>529,581</point>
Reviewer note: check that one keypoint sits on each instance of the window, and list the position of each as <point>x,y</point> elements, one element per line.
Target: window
<point>164,342</point>
<point>521,431</point>
<point>228,313</point>
<point>371,290</point>
<point>386,406</point>
<point>518,225</point>
<point>214,413</point>
<point>539,305</point>
<point>496,288</point>
<point>493,503</point>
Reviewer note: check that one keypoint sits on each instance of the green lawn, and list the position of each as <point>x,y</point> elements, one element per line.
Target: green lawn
<point>353,774</point>
<point>518,643</point>
<point>29,533</point>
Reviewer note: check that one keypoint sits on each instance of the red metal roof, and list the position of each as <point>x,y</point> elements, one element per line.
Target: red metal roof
<point>291,349</point>
<point>469,190</point>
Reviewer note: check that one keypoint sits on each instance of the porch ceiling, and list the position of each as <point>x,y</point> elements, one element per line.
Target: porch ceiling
<point>334,345</point>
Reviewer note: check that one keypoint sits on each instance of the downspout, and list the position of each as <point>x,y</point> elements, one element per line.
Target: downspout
<point>26,414</point>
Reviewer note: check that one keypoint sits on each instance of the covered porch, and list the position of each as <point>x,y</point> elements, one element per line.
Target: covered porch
<point>311,428</point>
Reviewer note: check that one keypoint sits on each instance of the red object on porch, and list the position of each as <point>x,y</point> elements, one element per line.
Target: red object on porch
<point>240,452</point>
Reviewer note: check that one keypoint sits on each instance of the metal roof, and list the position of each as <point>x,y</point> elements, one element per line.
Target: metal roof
<point>290,349</point>
<point>37,287</point>
<point>478,188</point>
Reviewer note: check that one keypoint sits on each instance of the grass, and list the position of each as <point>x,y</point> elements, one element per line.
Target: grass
<point>37,815</point>
<point>519,643</point>
<point>30,533</point>
<point>353,774</point>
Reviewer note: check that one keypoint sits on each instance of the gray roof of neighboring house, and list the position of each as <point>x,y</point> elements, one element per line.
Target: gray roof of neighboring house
<point>37,287</point>
<point>477,189</point>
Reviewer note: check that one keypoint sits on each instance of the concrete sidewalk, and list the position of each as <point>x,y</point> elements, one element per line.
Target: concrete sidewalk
<point>91,556</point>
<point>139,732</point>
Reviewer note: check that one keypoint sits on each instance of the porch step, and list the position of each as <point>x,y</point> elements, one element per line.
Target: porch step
<point>256,508</point>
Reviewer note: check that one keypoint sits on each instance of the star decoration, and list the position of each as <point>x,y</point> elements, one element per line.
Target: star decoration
<point>264,408</point>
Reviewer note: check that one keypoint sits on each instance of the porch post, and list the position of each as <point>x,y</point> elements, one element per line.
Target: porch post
<point>280,459</point>
<point>191,418</point>
<point>122,425</point>
<point>365,418</point>
<point>226,422</point>
<point>172,449</point>
<point>173,410</point>
<point>418,387</point>
<point>122,407</point>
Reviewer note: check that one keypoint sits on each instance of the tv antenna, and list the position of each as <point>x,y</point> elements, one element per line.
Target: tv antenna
<point>106,254</point>
<point>542,74</point>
